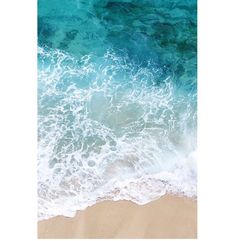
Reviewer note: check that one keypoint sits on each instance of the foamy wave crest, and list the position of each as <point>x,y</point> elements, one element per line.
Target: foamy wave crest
<point>108,129</point>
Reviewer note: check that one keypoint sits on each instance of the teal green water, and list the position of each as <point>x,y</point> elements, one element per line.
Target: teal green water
<point>164,31</point>
<point>117,101</point>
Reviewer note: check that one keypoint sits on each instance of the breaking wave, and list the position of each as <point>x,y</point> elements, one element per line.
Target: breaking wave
<point>111,129</point>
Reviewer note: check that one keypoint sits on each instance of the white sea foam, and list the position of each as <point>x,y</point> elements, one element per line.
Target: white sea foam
<point>108,130</point>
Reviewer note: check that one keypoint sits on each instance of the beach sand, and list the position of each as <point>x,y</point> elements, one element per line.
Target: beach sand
<point>167,217</point>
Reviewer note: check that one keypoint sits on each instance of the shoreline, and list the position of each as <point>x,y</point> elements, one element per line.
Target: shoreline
<point>167,217</point>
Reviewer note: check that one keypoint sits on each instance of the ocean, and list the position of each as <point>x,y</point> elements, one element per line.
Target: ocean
<point>117,102</point>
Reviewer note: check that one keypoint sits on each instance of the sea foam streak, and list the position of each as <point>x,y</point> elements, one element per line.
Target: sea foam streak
<point>109,130</point>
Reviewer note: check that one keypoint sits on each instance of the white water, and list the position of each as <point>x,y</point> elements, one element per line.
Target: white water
<point>108,130</point>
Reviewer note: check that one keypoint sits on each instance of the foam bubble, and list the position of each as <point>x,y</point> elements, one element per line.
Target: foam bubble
<point>108,129</point>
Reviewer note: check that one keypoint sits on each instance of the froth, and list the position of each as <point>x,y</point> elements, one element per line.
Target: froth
<point>110,130</point>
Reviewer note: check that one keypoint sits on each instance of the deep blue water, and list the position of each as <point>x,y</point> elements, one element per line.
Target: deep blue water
<point>117,101</point>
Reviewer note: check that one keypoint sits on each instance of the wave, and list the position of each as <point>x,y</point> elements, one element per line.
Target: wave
<point>110,129</point>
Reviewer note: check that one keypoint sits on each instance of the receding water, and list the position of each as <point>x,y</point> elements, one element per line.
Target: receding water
<point>117,102</point>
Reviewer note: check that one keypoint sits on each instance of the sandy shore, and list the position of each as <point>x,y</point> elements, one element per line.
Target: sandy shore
<point>167,217</point>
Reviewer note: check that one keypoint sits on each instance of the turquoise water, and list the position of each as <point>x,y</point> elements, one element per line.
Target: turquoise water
<point>117,102</point>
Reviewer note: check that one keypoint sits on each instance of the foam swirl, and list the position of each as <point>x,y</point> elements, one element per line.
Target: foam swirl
<point>109,129</point>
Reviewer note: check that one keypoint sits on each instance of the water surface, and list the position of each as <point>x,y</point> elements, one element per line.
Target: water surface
<point>117,102</point>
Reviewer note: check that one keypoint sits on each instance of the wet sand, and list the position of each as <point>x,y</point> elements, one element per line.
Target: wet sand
<point>167,217</point>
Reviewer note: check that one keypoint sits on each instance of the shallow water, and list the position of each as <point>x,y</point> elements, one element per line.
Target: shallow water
<point>117,102</point>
